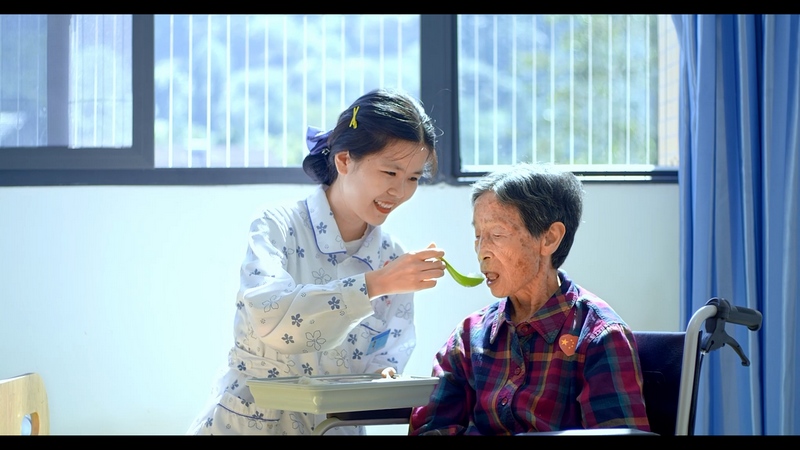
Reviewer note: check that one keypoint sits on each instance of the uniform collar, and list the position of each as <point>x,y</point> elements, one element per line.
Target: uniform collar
<point>329,239</point>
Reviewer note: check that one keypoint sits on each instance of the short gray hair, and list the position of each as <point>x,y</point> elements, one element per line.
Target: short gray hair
<point>543,195</point>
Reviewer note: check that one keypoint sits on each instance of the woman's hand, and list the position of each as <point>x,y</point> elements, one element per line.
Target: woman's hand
<point>410,272</point>
<point>388,372</point>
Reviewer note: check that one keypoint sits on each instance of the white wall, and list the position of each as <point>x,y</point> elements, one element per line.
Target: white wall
<point>122,297</point>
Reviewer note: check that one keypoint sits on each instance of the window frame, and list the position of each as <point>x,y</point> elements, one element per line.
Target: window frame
<point>60,165</point>
<point>37,165</point>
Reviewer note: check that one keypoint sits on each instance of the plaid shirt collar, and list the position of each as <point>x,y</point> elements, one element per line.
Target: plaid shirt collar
<point>549,320</point>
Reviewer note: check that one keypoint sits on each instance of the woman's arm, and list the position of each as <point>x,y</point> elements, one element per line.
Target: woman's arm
<point>289,316</point>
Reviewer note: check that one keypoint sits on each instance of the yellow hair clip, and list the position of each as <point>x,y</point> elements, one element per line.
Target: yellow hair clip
<point>353,122</point>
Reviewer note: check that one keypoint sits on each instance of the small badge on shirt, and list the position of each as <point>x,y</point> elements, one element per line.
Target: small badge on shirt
<point>567,343</point>
<point>378,342</point>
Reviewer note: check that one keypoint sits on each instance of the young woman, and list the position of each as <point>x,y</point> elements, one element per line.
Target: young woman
<point>324,290</point>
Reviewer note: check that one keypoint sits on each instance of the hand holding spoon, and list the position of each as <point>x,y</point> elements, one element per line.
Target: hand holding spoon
<point>470,280</point>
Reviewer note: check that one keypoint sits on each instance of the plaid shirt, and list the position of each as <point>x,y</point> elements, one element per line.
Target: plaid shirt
<point>574,364</point>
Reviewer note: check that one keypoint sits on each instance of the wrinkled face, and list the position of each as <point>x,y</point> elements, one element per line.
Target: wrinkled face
<point>510,258</point>
<point>379,183</point>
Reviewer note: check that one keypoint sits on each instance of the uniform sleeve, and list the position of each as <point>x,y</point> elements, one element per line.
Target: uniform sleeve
<point>287,316</point>
<point>612,394</point>
<point>452,400</point>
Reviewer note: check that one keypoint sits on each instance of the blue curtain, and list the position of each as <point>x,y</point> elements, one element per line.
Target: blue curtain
<point>739,184</point>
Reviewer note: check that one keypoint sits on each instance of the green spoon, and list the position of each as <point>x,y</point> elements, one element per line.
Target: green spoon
<point>470,280</point>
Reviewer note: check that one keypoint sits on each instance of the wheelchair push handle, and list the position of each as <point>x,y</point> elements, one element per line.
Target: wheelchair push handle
<point>738,315</point>
<point>706,333</point>
<point>748,317</point>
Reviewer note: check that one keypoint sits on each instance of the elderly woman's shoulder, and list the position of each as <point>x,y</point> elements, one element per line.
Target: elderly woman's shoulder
<point>597,307</point>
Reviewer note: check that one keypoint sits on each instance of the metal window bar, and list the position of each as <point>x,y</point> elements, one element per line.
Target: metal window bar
<point>628,91</point>
<point>590,81</point>
<point>190,97</point>
<point>171,92</point>
<point>100,93</point>
<point>247,93</point>
<point>75,113</point>
<point>514,87</point>
<point>269,108</point>
<point>647,98</point>
<point>571,89</point>
<point>553,116</point>
<point>316,63</point>
<point>568,68</point>
<point>535,62</point>
<point>284,107</point>
<point>610,92</point>
<point>494,89</point>
<point>227,95</point>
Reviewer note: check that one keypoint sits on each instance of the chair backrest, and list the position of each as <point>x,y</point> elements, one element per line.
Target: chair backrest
<point>661,356</point>
<point>23,396</point>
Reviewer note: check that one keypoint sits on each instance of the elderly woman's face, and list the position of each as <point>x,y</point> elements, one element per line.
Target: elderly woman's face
<point>509,256</point>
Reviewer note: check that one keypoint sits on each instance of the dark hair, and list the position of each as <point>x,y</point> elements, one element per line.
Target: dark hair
<point>543,195</point>
<point>383,116</point>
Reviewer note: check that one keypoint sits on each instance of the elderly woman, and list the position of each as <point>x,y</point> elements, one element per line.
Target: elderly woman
<point>549,355</point>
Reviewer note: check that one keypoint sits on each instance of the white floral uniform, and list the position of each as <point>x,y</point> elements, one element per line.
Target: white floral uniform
<point>303,309</point>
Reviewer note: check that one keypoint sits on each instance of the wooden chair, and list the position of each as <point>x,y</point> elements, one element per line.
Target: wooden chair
<point>23,396</point>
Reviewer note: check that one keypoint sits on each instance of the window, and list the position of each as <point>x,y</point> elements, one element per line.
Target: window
<point>67,97</point>
<point>239,91</point>
<point>217,99</point>
<point>576,90</point>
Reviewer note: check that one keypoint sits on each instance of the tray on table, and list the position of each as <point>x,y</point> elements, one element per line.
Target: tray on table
<point>341,393</point>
